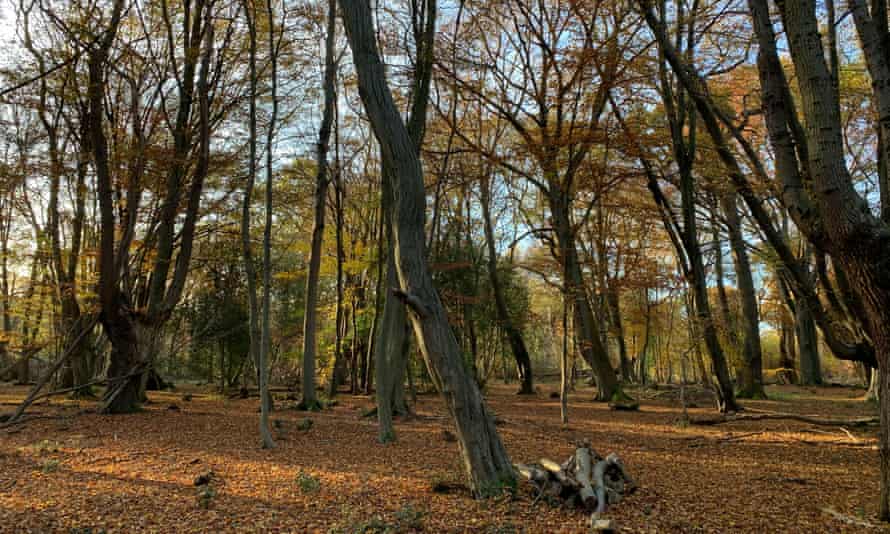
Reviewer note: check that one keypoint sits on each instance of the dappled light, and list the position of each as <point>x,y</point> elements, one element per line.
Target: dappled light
<point>356,266</point>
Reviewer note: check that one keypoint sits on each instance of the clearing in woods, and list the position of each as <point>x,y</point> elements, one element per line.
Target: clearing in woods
<point>69,469</point>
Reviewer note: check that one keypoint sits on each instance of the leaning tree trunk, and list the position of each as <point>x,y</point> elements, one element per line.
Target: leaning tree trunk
<point>485,459</point>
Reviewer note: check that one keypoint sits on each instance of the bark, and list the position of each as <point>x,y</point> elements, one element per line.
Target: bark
<point>390,358</point>
<point>485,459</point>
<point>310,319</point>
<point>751,379</point>
<point>808,345</point>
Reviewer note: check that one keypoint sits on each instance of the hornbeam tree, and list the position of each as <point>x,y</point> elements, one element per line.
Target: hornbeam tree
<point>485,459</point>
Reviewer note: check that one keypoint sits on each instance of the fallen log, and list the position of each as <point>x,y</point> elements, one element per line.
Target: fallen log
<point>821,421</point>
<point>585,479</point>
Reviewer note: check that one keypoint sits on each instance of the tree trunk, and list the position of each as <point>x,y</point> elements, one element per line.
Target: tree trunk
<point>131,342</point>
<point>485,459</point>
<point>564,370</point>
<point>725,394</point>
<point>266,335</point>
<point>340,320</point>
<point>613,301</point>
<point>808,346</point>
<point>751,379</point>
<point>873,393</point>
<point>310,319</point>
<point>585,325</point>
<point>390,358</point>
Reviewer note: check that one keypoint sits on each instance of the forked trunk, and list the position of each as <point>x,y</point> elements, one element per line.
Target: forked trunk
<point>485,459</point>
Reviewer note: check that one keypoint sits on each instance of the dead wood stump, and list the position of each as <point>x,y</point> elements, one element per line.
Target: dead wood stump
<point>584,480</point>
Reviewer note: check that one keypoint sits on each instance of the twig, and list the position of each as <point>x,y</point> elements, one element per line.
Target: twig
<point>850,520</point>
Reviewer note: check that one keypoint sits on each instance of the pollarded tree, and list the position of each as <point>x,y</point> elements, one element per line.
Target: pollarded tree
<point>142,277</point>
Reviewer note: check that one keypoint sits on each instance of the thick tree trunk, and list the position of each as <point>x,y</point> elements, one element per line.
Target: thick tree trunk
<point>132,343</point>
<point>808,346</point>
<point>751,378</point>
<point>390,357</point>
<point>882,346</point>
<point>485,459</point>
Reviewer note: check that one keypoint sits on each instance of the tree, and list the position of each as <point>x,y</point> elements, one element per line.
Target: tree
<point>546,75</point>
<point>391,358</point>
<point>513,334</point>
<point>485,459</point>
<point>136,300</point>
<point>309,401</point>
<point>259,334</point>
<point>818,190</point>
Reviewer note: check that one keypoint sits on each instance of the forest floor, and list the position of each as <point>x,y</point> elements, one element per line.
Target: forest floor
<point>72,470</point>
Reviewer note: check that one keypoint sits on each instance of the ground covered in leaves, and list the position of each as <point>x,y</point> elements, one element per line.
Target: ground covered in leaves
<point>72,470</point>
